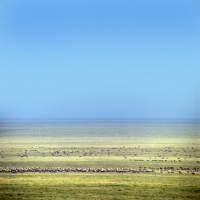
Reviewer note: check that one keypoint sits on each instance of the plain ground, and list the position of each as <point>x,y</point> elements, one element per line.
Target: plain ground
<point>99,144</point>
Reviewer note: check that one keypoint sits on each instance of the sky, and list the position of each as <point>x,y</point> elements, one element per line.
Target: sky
<point>100,59</point>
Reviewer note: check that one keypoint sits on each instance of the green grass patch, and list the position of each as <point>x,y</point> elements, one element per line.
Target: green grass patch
<point>98,186</point>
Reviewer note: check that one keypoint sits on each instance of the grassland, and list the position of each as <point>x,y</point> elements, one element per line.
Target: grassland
<point>100,145</point>
<point>99,186</point>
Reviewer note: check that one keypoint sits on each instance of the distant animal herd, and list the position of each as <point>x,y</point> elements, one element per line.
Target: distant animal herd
<point>118,170</point>
<point>134,154</point>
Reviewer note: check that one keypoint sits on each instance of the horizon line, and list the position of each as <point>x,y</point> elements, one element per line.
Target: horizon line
<point>97,119</point>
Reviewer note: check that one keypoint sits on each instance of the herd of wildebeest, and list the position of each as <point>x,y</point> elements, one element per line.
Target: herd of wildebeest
<point>122,170</point>
<point>135,154</point>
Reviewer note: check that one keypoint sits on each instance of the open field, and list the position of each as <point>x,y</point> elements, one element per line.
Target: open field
<point>99,186</point>
<point>101,144</point>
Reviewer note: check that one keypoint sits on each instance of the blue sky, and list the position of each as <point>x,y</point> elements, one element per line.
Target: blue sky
<point>100,59</point>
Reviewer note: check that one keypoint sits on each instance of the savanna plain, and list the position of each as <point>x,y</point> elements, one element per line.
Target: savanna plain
<point>110,159</point>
